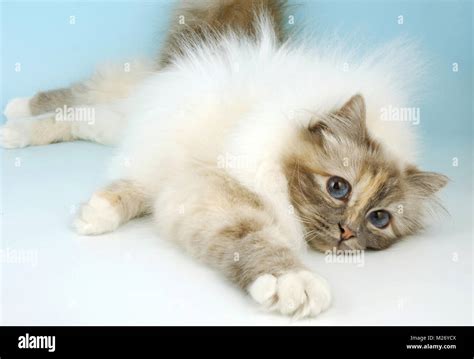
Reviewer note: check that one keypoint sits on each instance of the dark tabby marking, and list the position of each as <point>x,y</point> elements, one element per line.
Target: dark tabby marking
<point>48,101</point>
<point>195,23</point>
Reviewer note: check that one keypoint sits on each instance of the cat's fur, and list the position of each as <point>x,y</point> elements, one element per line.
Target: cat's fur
<point>229,139</point>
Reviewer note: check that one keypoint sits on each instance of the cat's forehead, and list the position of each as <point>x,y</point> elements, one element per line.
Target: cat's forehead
<point>350,161</point>
<point>371,189</point>
<point>367,167</point>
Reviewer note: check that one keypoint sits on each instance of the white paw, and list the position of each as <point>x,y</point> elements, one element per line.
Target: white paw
<point>96,217</point>
<point>15,134</point>
<point>17,108</point>
<point>297,293</point>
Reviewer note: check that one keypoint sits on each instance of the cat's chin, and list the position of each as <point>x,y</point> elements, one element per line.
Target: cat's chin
<point>328,245</point>
<point>337,245</point>
<point>349,245</point>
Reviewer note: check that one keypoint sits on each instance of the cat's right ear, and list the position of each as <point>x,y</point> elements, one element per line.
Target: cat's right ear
<point>425,184</point>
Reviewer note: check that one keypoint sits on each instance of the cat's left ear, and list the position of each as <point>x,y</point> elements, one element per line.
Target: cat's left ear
<point>423,183</point>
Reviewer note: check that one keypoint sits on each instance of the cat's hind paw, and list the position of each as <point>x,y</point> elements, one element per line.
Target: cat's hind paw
<point>98,216</point>
<point>296,293</point>
<point>15,134</point>
<point>18,108</point>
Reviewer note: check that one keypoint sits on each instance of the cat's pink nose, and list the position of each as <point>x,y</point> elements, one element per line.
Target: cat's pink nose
<point>346,232</point>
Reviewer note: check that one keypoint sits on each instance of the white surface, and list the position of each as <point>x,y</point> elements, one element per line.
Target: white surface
<point>132,277</point>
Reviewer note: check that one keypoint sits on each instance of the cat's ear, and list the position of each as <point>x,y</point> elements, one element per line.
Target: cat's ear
<point>347,121</point>
<point>354,110</point>
<point>350,118</point>
<point>423,183</point>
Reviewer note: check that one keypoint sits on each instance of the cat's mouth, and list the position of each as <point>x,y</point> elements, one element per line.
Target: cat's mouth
<point>329,238</point>
<point>349,245</point>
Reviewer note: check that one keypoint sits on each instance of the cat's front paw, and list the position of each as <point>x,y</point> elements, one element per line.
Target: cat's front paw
<point>96,217</point>
<point>15,134</point>
<point>296,293</point>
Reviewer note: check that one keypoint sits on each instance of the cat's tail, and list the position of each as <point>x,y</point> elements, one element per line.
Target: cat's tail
<point>199,21</point>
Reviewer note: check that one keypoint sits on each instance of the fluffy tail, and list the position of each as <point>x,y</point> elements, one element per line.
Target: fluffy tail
<point>202,20</point>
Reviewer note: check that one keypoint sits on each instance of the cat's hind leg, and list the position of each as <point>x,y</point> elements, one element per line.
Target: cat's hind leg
<point>18,108</point>
<point>103,124</point>
<point>111,82</point>
<point>112,206</point>
<point>36,131</point>
<point>89,110</point>
<point>41,103</point>
<point>34,121</point>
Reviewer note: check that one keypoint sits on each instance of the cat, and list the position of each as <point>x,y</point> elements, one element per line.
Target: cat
<point>248,146</point>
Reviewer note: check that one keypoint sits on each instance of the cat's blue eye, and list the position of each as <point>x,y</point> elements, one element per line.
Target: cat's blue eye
<point>338,187</point>
<point>380,218</point>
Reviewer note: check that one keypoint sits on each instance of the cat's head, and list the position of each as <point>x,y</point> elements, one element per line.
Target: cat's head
<point>348,191</point>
